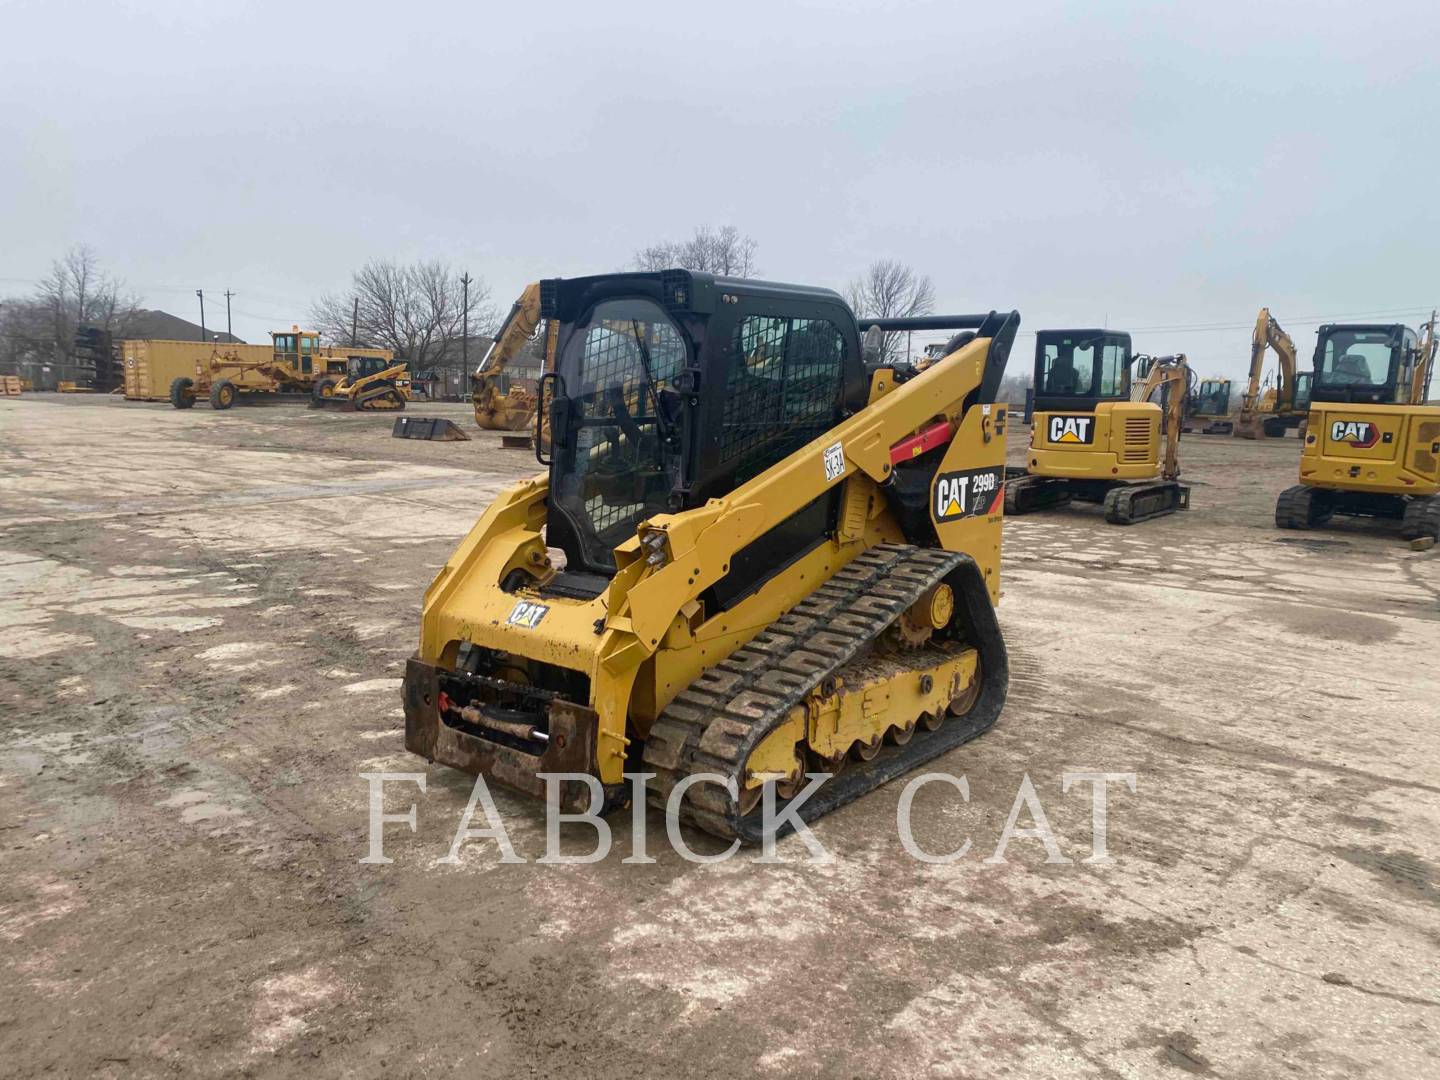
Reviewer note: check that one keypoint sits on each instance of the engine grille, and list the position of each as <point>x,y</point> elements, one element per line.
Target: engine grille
<point>1136,448</point>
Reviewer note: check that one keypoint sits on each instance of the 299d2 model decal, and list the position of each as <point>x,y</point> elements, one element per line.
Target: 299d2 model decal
<point>972,493</point>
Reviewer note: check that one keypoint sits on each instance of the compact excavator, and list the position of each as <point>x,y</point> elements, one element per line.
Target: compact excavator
<point>1372,444</point>
<point>500,403</point>
<point>1095,435</point>
<point>753,554</point>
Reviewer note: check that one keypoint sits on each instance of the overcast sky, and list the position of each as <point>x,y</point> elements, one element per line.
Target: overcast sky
<point>1141,165</point>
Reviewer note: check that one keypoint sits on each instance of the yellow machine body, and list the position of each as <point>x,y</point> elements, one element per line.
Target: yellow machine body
<point>1120,440</point>
<point>659,630</point>
<point>1386,449</point>
<point>664,639</point>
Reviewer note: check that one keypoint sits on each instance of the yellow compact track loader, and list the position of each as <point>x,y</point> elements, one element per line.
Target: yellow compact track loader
<point>500,403</point>
<point>369,383</point>
<point>752,554</point>
<point>1091,439</point>
<point>1372,445</point>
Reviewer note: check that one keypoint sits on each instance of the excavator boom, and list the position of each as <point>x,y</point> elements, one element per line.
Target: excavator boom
<point>1255,418</point>
<point>497,409</point>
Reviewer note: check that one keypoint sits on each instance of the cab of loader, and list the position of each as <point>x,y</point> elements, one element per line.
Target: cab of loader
<point>673,388</point>
<point>1374,364</point>
<point>1075,370</point>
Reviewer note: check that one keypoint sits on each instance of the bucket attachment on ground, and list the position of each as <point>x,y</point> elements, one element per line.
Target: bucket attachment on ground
<point>433,428</point>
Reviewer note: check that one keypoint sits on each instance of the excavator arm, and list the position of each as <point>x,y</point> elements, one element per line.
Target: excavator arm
<point>1172,372</point>
<point>513,411</point>
<point>1420,381</point>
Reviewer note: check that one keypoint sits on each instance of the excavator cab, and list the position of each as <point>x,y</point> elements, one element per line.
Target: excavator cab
<point>1369,364</point>
<point>749,555</point>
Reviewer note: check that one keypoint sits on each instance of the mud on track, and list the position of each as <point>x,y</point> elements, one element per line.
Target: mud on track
<point>203,621</point>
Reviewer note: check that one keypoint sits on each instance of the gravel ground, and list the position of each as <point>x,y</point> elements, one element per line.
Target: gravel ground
<point>203,622</point>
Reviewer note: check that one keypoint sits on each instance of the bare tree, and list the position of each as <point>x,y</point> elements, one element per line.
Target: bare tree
<point>888,289</point>
<point>724,251</point>
<point>38,332</point>
<point>417,310</point>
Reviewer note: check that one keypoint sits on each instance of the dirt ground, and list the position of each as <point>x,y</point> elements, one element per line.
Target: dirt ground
<point>203,622</point>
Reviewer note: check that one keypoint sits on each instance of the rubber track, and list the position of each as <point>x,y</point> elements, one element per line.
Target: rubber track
<point>1422,518</point>
<point>714,724</point>
<point>1026,494</point>
<point>1141,502</point>
<point>1295,509</point>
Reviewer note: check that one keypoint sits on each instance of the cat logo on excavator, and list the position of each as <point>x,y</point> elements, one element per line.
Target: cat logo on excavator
<point>1072,429</point>
<point>1361,434</point>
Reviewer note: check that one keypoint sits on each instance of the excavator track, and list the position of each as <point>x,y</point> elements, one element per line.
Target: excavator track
<point>1422,518</point>
<point>1303,507</point>
<point>717,722</point>
<point>1134,503</point>
<point>1026,493</point>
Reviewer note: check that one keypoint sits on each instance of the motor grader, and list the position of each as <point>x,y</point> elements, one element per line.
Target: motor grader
<point>1372,444</point>
<point>1095,434</point>
<point>501,403</point>
<point>289,369</point>
<point>752,554</point>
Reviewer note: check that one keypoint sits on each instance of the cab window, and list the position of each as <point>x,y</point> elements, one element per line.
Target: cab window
<point>1069,368</point>
<point>1112,369</point>
<point>782,389</point>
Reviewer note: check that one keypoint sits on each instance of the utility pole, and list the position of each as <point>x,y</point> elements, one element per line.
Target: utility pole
<point>201,293</point>
<point>228,332</point>
<point>354,323</point>
<point>465,323</point>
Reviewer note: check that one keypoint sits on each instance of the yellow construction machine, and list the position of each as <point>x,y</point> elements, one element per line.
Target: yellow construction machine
<point>1208,404</point>
<point>290,368</point>
<point>501,404</point>
<point>1372,445</point>
<point>369,383</point>
<point>777,557</point>
<point>1271,410</point>
<point>1092,439</point>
